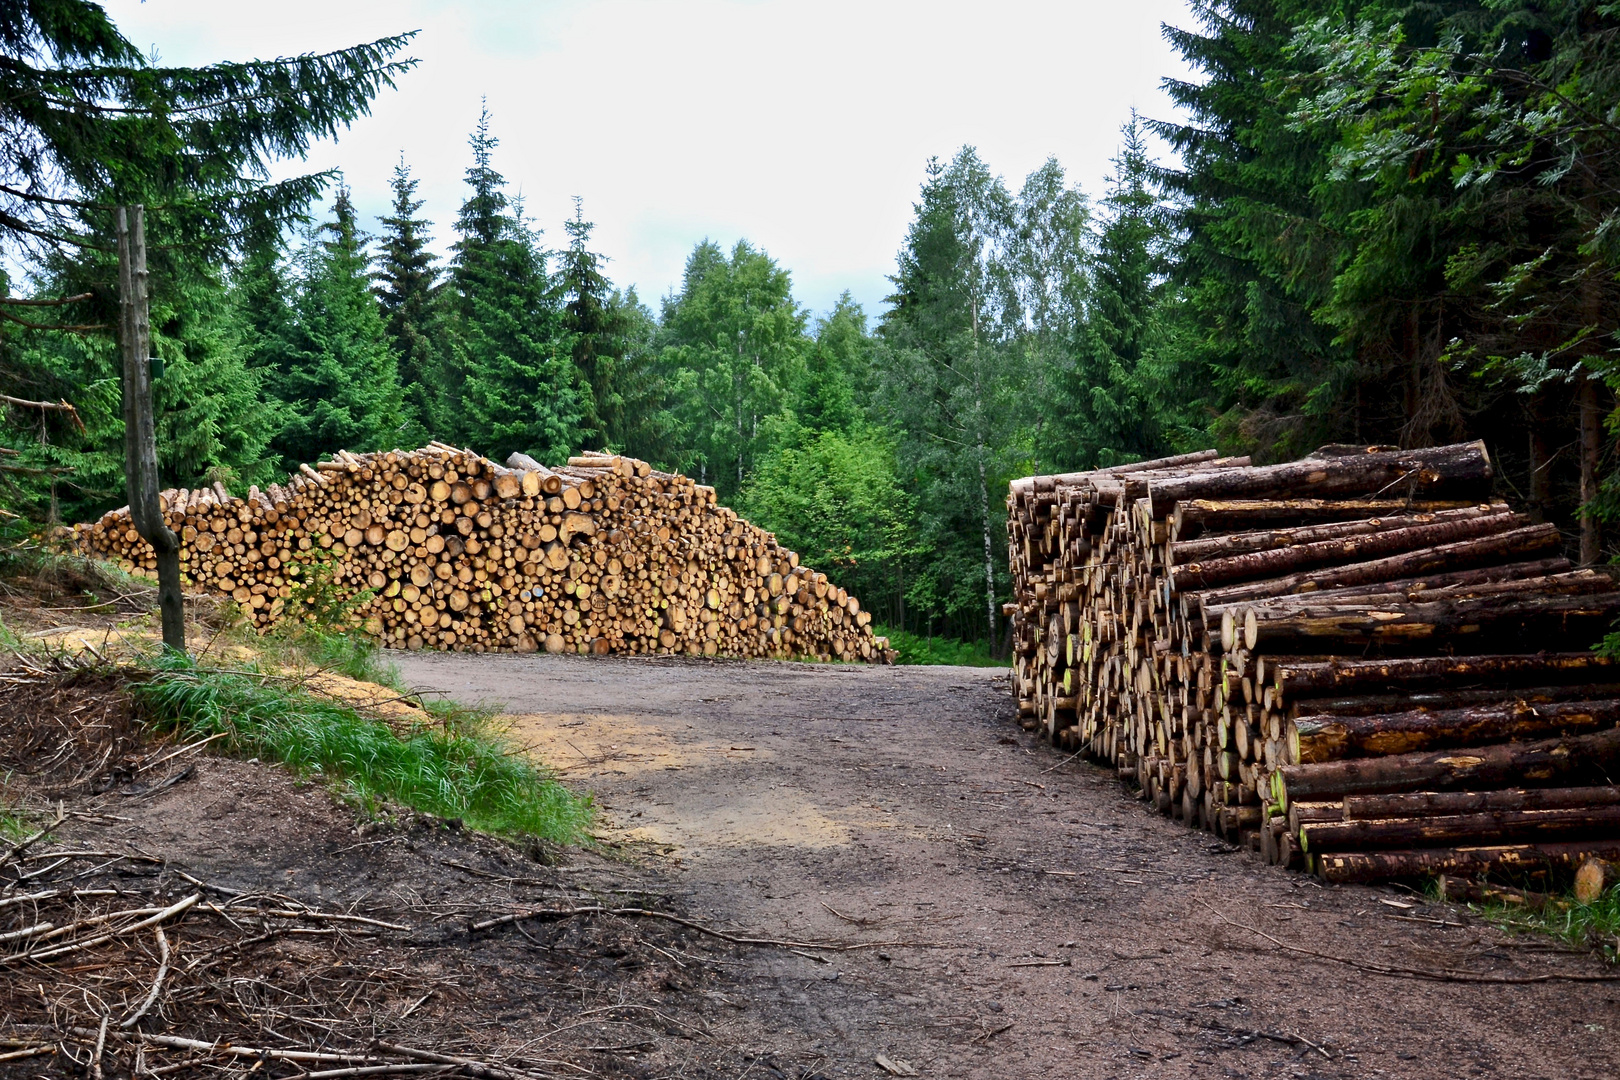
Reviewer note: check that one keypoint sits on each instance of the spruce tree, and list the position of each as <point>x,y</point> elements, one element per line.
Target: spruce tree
<point>338,375</point>
<point>1118,402</point>
<point>513,379</point>
<point>587,314</point>
<point>407,286</point>
<point>1256,260</point>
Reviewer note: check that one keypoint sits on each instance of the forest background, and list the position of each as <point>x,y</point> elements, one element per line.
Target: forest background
<point>1379,223</point>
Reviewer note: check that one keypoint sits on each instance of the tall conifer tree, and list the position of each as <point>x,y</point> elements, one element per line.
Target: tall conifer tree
<point>514,380</point>
<point>338,374</point>
<point>407,286</point>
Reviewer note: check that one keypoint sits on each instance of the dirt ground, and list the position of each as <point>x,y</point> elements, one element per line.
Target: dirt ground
<point>1061,929</point>
<point>1015,913</point>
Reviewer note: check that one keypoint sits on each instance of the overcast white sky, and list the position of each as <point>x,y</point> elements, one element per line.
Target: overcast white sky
<point>803,127</point>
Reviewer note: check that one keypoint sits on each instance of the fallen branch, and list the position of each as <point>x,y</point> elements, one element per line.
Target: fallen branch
<point>23,845</point>
<point>157,983</point>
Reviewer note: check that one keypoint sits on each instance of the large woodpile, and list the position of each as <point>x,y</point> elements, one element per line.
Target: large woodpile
<point>1354,663</point>
<point>449,550</point>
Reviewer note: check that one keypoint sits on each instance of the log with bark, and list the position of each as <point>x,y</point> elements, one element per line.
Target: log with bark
<point>1462,471</point>
<point>442,548</point>
<point>1199,625</point>
<point>1320,738</point>
<point>1545,763</point>
<point>1352,866</point>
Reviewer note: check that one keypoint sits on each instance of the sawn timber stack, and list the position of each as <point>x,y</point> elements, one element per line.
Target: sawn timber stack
<point>445,549</point>
<point>1356,664</point>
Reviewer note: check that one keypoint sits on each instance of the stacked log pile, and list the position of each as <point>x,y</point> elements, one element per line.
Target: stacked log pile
<point>445,549</point>
<point>1355,663</point>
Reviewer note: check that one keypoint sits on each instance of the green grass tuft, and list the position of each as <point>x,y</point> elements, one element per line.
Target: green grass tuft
<point>459,771</point>
<point>1581,926</point>
<point>915,649</point>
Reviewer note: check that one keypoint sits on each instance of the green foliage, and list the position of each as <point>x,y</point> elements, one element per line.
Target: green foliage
<point>733,341</point>
<point>834,498</point>
<point>1125,396</point>
<point>513,383</point>
<point>408,288</point>
<point>212,418</point>
<point>959,381</point>
<point>336,370</point>
<point>916,649</point>
<point>459,771</point>
<point>1581,926</point>
<point>91,120</point>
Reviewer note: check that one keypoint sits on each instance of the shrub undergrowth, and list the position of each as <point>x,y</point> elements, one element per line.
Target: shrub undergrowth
<point>916,649</point>
<point>456,770</point>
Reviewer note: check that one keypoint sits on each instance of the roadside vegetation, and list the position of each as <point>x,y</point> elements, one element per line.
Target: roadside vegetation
<point>259,696</point>
<point>459,769</point>
<point>918,649</point>
<point>1593,926</point>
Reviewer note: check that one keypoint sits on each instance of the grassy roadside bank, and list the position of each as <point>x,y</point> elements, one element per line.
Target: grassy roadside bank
<point>457,769</point>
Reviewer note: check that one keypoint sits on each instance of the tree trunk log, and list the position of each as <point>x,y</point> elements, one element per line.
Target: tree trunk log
<point>1195,517</point>
<point>1452,830</point>
<point>1493,620</point>
<point>1466,562</point>
<point>1270,552</point>
<point>1550,762</point>
<point>1374,704</point>
<point>1431,803</point>
<point>1595,877</point>
<point>1277,561</point>
<point>1313,739</point>
<point>1460,471</point>
<point>1313,678</point>
<point>1352,866</point>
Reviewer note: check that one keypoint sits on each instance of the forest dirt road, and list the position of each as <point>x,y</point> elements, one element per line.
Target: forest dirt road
<point>1076,933</point>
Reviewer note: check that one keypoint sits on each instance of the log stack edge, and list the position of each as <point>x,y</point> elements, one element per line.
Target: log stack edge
<point>1356,664</point>
<point>448,550</point>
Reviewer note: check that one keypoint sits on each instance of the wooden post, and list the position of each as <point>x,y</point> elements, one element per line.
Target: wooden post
<point>140,433</point>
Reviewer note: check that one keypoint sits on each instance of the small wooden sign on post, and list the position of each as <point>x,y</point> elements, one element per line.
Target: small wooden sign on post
<point>140,431</point>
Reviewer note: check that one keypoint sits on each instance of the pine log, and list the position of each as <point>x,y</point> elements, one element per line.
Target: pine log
<point>1452,830</point>
<point>1460,471</point>
<point>1274,562</point>
<point>1401,701</point>
<point>1353,866</point>
<point>1493,620</point>
<point>1195,517</point>
<point>1296,679</point>
<point>1429,803</point>
<point>1595,877</point>
<point>1313,739</point>
<point>1183,552</point>
<point>1527,552</point>
<point>1550,762</point>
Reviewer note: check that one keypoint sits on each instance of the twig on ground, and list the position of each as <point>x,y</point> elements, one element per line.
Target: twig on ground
<point>157,983</point>
<point>23,845</point>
